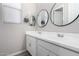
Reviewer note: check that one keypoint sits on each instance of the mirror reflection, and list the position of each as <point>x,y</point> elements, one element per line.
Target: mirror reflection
<point>64,13</point>
<point>42,18</point>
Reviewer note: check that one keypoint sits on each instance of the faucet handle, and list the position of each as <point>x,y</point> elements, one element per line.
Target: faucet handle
<point>60,35</point>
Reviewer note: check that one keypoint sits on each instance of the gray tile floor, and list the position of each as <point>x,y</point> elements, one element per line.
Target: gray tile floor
<point>24,54</point>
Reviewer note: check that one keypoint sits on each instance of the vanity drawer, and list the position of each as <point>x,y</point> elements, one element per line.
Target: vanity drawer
<point>66,52</point>
<point>44,52</point>
<point>51,47</point>
<point>60,51</point>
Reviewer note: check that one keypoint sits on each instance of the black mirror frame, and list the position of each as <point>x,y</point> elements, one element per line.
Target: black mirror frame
<point>60,25</point>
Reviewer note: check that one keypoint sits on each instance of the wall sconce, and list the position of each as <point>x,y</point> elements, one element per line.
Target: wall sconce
<point>26,20</point>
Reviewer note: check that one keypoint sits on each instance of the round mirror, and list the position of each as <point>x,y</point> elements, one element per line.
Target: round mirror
<point>42,18</point>
<point>63,14</point>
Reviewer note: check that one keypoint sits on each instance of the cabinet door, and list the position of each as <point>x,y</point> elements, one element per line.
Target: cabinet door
<point>42,52</point>
<point>31,45</point>
<point>28,44</point>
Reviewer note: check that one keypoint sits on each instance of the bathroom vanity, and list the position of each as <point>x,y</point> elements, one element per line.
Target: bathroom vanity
<point>52,43</point>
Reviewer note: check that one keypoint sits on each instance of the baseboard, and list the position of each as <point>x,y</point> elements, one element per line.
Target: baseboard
<point>16,53</point>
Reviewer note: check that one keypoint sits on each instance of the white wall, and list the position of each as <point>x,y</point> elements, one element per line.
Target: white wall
<point>12,36</point>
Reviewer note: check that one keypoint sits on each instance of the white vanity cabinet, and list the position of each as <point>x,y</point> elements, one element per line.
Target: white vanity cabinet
<point>31,45</point>
<point>38,46</point>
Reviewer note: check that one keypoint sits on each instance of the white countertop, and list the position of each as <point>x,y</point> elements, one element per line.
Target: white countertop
<point>70,40</point>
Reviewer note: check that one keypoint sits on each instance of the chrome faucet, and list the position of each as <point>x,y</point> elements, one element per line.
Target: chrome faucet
<point>60,35</point>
